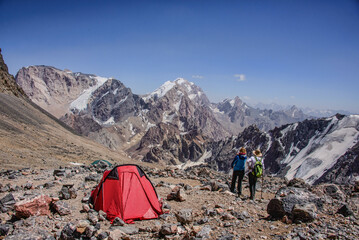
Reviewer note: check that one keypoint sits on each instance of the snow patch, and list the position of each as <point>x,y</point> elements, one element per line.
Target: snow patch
<point>149,125</point>
<point>110,121</point>
<point>81,102</point>
<point>200,161</point>
<point>323,149</point>
<point>161,91</point>
<point>216,110</point>
<point>177,105</point>
<point>132,130</point>
<point>181,81</point>
<point>123,100</point>
<point>192,96</point>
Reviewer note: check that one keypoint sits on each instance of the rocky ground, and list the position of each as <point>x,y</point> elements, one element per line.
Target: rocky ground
<point>202,207</point>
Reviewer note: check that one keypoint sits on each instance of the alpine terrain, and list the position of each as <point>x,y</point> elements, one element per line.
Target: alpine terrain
<point>48,171</point>
<point>30,136</point>
<point>108,112</point>
<point>176,124</point>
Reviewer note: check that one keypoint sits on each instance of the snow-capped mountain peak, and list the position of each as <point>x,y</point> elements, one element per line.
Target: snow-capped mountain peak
<point>161,91</point>
<point>180,87</point>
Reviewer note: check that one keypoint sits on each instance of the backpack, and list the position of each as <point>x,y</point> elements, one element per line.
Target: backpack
<point>258,168</point>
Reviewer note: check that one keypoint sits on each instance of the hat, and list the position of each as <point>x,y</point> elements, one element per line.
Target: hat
<point>242,150</point>
<point>257,152</point>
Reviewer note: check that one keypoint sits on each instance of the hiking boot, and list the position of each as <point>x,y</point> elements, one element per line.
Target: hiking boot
<point>243,197</point>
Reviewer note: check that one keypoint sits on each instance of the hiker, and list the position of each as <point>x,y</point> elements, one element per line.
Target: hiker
<point>238,165</point>
<point>252,176</point>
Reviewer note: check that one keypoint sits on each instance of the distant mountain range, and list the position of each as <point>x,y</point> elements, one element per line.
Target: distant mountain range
<point>176,124</point>
<point>307,111</point>
<point>102,102</point>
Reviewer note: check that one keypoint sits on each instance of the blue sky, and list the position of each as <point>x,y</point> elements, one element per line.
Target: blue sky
<point>298,52</point>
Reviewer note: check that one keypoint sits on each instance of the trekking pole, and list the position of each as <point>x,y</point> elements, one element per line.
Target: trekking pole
<point>262,187</point>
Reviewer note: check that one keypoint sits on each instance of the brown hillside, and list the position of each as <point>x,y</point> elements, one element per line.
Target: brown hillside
<point>31,137</point>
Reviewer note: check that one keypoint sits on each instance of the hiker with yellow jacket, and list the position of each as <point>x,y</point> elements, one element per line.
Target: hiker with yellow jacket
<point>252,176</point>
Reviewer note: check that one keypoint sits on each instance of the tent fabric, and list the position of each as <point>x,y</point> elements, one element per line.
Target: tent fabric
<point>126,192</point>
<point>101,161</point>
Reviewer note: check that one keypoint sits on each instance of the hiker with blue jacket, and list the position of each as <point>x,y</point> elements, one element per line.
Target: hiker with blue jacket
<point>238,166</point>
<point>252,173</point>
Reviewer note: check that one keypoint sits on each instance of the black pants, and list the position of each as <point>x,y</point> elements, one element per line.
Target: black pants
<point>252,185</point>
<point>240,175</point>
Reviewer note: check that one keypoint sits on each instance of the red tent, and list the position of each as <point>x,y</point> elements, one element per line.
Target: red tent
<point>126,192</point>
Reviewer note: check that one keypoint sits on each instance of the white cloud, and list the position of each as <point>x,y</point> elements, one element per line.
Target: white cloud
<point>292,97</point>
<point>240,77</point>
<point>197,76</point>
<point>246,98</point>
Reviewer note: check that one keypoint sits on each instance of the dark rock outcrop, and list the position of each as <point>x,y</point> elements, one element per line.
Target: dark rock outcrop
<point>7,81</point>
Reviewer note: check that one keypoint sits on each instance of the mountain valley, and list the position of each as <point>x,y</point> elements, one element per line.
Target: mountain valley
<point>177,125</point>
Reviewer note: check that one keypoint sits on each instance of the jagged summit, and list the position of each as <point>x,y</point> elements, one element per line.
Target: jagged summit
<point>179,87</point>
<point>7,82</point>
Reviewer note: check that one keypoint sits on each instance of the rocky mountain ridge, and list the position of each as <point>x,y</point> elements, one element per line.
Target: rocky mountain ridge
<point>317,150</point>
<point>8,83</point>
<point>236,115</point>
<point>94,105</point>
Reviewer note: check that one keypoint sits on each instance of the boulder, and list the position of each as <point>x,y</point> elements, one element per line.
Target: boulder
<point>67,192</point>
<point>275,208</point>
<point>217,186</point>
<point>177,195</point>
<point>102,215</point>
<point>130,230</point>
<point>333,191</point>
<point>291,196</point>
<point>356,186</point>
<point>345,210</point>
<point>304,213</point>
<point>61,208</point>
<point>4,229</point>
<point>184,216</point>
<point>28,186</point>
<point>34,207</point>
<point>117,234</point>
<point>85,208</point>
<point>59,172</point>
<point>93,178</point>
<point>168,229</point>
<point>69,232</point>
<point>89,231</point>
<point>204,233</point>
<point>118,222</point>
<point>298,183</point>
<point>298,203</point>
<point>82,225</point>
<point>102,235</point>
<point>7,203</point>
<point>227,216</point>
<point>93,217</point>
